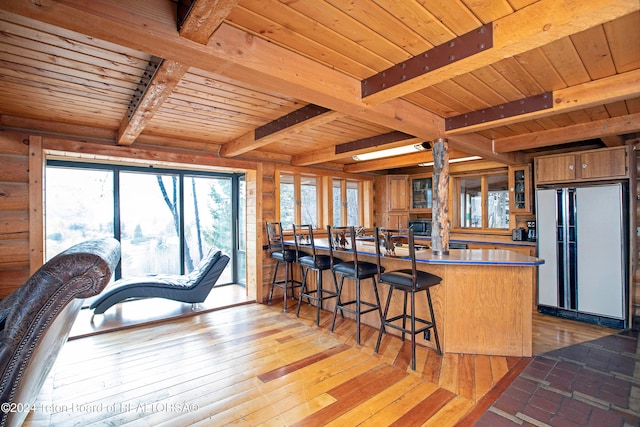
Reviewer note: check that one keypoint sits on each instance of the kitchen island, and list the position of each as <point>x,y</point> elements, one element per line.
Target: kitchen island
<point>483,305</point>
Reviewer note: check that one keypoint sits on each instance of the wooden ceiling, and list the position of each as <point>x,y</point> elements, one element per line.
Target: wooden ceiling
<point>290,81</point>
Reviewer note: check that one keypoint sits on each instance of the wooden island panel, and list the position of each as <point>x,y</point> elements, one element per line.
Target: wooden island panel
<point>488,310</point>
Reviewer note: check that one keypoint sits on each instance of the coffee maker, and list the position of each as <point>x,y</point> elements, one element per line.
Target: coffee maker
<point>531,233</point>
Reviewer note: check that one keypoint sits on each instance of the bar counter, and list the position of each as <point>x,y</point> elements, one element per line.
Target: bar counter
<point>483,305</point>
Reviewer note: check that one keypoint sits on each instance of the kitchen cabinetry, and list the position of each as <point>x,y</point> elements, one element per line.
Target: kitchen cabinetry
<point>397,192</point>
<point>421,194</point>
<point>397,220</point>
<point>589,165</point>
<point>520,189</point>
<point>394,203</point>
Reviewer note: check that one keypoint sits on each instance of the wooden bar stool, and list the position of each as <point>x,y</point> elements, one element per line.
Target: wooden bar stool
<point>277,251</point>
<point>343,239</point>
<point>303,235</point>
<point>400,244</point>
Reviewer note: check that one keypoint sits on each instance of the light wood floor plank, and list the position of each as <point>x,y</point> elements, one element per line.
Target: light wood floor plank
<point>255,365</point>
<point>398,407</point>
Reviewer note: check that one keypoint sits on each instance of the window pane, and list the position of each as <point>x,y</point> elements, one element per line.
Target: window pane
<point>470,202</point>
<point>207,220</point>
<point>79,206</point>
<point>337,202</point>
<point>498,201</point>
<point>287,201</point>
<point>352,204</point>
<point>309,201</point>
<point>150,219</point>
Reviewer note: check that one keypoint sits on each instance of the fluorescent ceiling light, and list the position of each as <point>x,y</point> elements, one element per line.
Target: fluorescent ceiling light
<point>459,159</point>
<point>407,149</point>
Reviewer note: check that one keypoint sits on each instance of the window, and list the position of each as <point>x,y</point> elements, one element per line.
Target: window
<point>309,201</point>
<point>90,218</point>
<point>353,203</point>
<point>346,202</point>
<point>166,220</point>
<point>483,201</point>
<point>287,201</point>
<point>337,202</point>
<point>298,200</point>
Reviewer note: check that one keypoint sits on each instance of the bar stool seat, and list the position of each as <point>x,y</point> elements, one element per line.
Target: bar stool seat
<point>409,282</point>
<point>284,256</point>
<point>355,270</point>
<point>314,261</point>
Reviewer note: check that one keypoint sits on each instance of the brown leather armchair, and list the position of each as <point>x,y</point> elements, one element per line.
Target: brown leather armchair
<point>36,319</point>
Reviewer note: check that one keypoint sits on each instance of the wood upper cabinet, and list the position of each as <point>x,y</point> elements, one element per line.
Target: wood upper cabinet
<point>603,164</point>
<point>520,189</point>
<point>555,168</point>
<point>590,165</point>
<point>397,186</point>
<point>421,193</point>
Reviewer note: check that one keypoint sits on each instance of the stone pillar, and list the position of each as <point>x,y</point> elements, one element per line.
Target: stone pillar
<point>440,211</point>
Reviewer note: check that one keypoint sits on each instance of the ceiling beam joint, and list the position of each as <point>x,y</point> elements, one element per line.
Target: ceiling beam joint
<point>288,120</point>
<point>373,141</point>
<point>461,47</point>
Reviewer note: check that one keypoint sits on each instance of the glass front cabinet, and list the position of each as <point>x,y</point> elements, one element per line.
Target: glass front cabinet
<point>520,188</point>
<point>421,194</point>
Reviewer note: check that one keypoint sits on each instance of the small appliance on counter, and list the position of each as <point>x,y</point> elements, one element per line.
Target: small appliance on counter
<point>519,234</point>
<point>531,233</point>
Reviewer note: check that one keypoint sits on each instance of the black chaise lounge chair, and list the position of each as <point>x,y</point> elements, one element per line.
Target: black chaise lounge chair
<point>192,288</point>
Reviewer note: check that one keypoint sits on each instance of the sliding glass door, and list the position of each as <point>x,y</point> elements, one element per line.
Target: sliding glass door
<point>166,220</point>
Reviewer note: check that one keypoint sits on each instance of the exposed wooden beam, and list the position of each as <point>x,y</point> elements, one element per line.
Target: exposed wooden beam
<point>613,140</point>
<point>243,57</point>
<point>204,19</point>
<point>248,141</point>
<point>135,154</point>
<point>397,162</point>
<point>476,145</point>
<point>376,141</point>
<point>205,16</point>
<point>232,53</point>
<point>165,79</point>
<point>528,28</point>
<point>598,92</point>
<point>329,154</point>
<point>572,133</point>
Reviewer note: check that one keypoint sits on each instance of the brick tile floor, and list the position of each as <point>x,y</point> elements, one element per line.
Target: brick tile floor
<point>595,384</point>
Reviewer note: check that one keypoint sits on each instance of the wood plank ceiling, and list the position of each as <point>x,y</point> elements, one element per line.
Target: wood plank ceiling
<point>290,80</point>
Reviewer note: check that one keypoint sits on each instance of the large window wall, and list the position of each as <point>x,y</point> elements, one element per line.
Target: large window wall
<point>166,220</point>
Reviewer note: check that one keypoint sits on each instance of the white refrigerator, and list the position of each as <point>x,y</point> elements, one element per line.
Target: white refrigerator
<point>582,236</point>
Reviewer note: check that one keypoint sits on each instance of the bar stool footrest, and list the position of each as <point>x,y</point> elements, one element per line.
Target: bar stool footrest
<point>372,306</point>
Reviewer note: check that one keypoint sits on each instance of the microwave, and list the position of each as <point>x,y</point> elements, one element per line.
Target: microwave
<point>420,227</point>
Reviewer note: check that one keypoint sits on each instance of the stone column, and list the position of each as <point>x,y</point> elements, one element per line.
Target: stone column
<point>440,211</point>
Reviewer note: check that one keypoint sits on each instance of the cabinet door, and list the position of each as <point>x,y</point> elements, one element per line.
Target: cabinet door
<point>397,192</point>
<point>520,189</point>
<point>556,168</point>
<point>603,164</point>
<point>421,194</point>
<point>398,220</point>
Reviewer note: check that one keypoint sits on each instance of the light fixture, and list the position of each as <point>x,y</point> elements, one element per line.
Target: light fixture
<point>459,159</point>
<point>397,151</point>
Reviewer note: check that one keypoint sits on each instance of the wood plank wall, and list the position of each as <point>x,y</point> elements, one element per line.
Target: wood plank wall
<point>14,211</point>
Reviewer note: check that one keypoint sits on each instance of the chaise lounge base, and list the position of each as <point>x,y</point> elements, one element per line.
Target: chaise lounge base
<point>192,288</point>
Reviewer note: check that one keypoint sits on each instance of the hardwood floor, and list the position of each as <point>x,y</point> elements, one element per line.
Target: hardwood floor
<point>254,365</point>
